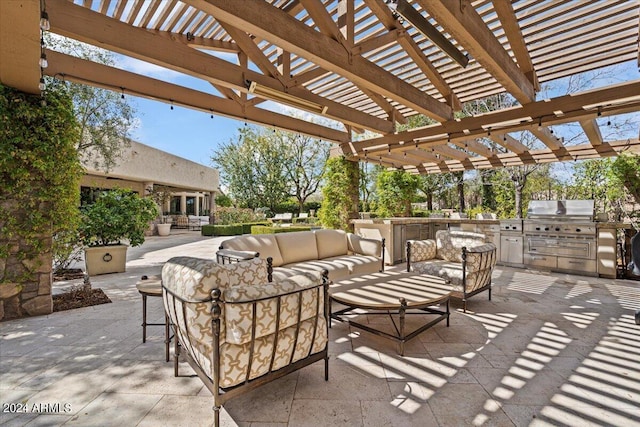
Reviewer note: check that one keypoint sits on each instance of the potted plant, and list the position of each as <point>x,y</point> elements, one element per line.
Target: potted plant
<point>117,215</point>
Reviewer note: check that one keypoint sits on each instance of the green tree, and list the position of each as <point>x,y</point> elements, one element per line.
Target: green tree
<point>105,117</point>
<point>626,168</point>
<point>304,164</point>
<point>254,168</point>
<point>263,167</point>
<point>396,190</point>
<point>338,193</point>
<point>367,185</point>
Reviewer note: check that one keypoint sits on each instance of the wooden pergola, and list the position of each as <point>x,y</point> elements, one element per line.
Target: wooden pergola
<point>365,65</point>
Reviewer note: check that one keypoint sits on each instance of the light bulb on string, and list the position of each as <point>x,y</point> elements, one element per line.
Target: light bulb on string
<point>42,85</point>
<point>43,60</point>
<point>44,21</point>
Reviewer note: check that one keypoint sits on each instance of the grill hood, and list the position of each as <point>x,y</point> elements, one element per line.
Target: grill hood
<point>561,209</point>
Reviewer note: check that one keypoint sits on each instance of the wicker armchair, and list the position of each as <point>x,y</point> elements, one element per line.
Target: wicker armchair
<point>462,258</point>
<point>238,331</point>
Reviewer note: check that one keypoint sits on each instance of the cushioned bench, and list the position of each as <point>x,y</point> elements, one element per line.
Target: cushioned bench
<point>341,254</point>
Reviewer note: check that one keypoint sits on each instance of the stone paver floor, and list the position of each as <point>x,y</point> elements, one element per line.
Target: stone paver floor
<point>549,349</point>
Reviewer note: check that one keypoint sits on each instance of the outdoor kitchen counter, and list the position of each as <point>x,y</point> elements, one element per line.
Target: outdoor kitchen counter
<point>396,231</point>
<point>410,220</point>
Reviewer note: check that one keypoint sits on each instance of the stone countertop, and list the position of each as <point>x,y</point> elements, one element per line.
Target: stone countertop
<point>412,220</point>
<point>607,224</point>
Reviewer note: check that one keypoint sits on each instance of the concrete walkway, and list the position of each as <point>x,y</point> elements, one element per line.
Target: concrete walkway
<point>549,349</point>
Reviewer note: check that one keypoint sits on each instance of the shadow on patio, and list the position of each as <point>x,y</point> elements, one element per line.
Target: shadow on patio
<point>550,349</point>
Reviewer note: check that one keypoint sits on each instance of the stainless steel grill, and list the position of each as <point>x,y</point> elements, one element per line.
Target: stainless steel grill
<point>561,234</point>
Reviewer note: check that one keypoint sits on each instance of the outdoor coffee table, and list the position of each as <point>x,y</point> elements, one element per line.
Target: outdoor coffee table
<point>391,293</point>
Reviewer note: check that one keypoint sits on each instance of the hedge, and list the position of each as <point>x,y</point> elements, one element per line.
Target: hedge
<point>261,229</point>
<point>221,230</point>
<point>246,226</point>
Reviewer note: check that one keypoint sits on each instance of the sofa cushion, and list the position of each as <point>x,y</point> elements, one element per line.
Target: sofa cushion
<point>363,245</point>
<point>331,243</point>
<point>447,270</point>
<point>357,264</point>
<point>297,246</point>
<point>450,243</point>
<point>422,250</point>
<point>336,270</point>
<point>265,244</point>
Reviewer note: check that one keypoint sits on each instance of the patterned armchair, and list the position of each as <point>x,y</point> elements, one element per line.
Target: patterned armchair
<point>460,257</point>
<point>238,331</point>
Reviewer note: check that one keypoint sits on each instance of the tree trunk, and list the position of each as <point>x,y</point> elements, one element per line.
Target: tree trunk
<point>518,197</point>
<point>460,186</point>
<point>430,201</point>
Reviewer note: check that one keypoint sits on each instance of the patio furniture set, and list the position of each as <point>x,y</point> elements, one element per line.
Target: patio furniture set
<point>262,309</point>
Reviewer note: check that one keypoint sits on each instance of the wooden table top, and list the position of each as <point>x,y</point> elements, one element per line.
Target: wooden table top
<point>383,291</point>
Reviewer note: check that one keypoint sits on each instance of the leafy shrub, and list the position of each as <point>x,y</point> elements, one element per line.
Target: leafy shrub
<point>246,226</point>
<point>262,229</point>
<point>310,220</point>
<point>420,213</point>
<point>221,230</point>
<point>117,214</point>
<point>225,216</point>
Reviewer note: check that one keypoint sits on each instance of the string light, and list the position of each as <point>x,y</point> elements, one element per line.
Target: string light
<point>43,60</point>
<point>122,94</point>
<point>489,132</point>
<point>540,124</point>
<point>42,86</point>
<point>44,21</point>
<point>211,112</point>
<point>171,103</point>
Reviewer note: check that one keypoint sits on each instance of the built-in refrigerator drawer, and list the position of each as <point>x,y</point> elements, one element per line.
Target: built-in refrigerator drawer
<point>511,249</point>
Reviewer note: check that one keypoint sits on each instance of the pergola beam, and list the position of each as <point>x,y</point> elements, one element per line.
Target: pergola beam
<point>85,25</point>
<point>70,68</point>
<point>615,99</point>
<point>276,26</point>
<point>460,19</point>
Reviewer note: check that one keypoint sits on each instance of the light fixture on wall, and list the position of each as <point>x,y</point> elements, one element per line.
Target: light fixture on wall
<point>285,98</point>
<point>408,12</point>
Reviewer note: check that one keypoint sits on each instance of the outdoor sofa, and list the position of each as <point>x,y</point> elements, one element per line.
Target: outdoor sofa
<point>462,258</point>
<point>237,329</point>
<point>342,254</point>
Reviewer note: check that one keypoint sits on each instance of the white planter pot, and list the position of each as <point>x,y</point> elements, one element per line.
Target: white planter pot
<point>105,259</point>
<point>164,229</point>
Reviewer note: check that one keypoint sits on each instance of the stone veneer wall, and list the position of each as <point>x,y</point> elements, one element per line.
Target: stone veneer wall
<point>30,293</point>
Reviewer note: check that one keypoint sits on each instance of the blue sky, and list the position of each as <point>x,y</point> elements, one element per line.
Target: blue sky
<point>184,132</point>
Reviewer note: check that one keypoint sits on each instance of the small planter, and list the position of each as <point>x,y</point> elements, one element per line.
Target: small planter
<point>105,259</point>
<point>164,229</point>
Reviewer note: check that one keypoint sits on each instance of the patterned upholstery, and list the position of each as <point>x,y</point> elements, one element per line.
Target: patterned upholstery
<point>422,250</point>
<point>450,243</point>
<point>341,253</point>
<point>294,307</point>
<point>469,270</point>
